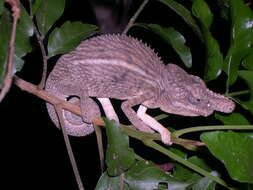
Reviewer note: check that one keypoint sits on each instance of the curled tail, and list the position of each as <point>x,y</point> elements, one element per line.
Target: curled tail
<point>73,123</point>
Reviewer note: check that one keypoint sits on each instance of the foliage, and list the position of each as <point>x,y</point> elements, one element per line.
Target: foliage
<point>125,169</point>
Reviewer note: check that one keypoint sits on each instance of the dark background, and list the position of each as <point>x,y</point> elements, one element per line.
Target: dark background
<point>33,152</point>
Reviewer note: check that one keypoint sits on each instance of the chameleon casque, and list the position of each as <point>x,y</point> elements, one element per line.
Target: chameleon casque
<point>121,67</point>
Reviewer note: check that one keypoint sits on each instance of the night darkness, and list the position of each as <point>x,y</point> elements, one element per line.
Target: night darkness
<point>33,151</point>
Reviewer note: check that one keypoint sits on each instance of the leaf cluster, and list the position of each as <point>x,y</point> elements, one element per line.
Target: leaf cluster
<point>225,145</point>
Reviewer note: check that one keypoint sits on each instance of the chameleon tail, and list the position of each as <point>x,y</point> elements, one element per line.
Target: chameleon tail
<point>73,123</point>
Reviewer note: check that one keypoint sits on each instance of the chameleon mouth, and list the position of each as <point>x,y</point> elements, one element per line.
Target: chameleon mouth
<point>193,112</point>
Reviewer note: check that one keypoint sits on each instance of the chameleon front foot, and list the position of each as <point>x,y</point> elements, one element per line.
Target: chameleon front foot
<point>166,136</point>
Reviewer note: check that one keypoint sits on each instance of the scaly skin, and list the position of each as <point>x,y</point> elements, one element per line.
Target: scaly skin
<point>121,67</point>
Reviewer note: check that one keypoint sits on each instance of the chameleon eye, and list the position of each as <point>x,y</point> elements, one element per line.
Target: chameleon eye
<point>194,100</point>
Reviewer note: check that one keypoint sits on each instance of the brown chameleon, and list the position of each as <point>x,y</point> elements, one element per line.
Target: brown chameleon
<point>121,67</point>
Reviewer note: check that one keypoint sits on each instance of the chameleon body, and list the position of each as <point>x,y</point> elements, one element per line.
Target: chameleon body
<point>121,67</point>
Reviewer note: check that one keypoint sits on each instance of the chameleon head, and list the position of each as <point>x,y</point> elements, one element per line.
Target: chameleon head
<point>188,95</point>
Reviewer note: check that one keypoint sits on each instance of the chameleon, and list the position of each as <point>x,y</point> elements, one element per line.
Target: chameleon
<point>117,66</point>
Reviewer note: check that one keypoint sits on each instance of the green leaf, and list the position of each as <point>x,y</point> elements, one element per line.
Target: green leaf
<point>247,76</point>
<point>241,33</point>
<point>185,174</point>
<point>200,9</point>
<point>107,182</point>
<point>22,42</point>
<point>175,39</point>
<point>232,119</point>
<point>1,7</point>
<point>145,176</point>
<point>185,14</point>
<point>68,36</point>
<point>248,105</point>
<point>234,150</point>
<point>119,157</point>
<point>247,62</point>
<point>24,32</point>
<point>214,58</point>
<point>4,39</point>
<point>205,184</point>
<point>48,12</point>
<point>35,5</point>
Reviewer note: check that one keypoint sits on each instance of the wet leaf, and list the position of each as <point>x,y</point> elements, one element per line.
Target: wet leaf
<point>119,157</point>
<point>234,150</point>
<point>68,36</point>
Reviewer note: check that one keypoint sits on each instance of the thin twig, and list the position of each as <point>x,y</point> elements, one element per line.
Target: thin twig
<point>45,59</point>
<point>11,48</point>
<point>98,132</point>
<point>40,39</point>
<point>59,109</point>
<point>134,17</point>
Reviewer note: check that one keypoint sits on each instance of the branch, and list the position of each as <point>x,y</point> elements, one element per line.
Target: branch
<point>132,20</point>
<point>44,57</point>
<point>11,49</point>
<point>59,109</point>
<point>26,86</point>
<point>40,39</point>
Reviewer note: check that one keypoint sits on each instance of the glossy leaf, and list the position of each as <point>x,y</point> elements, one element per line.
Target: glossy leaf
<point>201,10</point>
<point>24,32</point>
<point>22,43</point>
<point>145,176</point>
<point>214,58</point>
<point>47,13</point>
<point>247,62</point>
<point>241,33</point>
<point>68,36</point>
<point>234,150</point>
<point>232,119</point>
<point>185,14</point>
<point>175,39</point>
<point>108,182</point>
<point>119,157</point>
